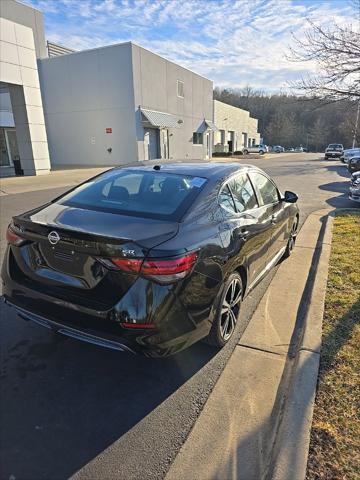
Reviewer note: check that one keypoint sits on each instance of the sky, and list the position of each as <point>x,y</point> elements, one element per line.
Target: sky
<point>234,43</point>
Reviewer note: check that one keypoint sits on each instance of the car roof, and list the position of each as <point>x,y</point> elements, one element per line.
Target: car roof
<point>213,170</point>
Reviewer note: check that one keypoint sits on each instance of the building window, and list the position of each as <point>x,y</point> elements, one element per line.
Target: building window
<point>197,138</point>
<point>222,137</point>
<point>180,89</point>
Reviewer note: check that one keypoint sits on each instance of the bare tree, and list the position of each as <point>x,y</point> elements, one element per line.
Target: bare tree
<point>336,52</point>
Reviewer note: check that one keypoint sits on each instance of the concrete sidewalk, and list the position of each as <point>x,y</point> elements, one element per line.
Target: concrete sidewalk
<point>235,434</point>
<point>66,177</point>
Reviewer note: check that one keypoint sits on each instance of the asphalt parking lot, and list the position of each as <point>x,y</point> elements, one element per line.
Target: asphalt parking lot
<point>66,406</point>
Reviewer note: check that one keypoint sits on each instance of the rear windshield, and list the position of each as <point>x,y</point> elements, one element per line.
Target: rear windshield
<point>153,194</point>
<point>335,145</point>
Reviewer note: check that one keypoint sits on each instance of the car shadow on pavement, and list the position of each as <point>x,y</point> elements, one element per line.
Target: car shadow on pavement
<point>340,170</point>
<point>340,187</point>
<point>64,402</point>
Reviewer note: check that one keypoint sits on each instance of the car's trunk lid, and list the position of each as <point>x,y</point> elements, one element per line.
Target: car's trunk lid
<point>66,244</point>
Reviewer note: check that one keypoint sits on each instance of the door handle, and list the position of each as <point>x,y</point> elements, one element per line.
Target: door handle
<point>273,219</point>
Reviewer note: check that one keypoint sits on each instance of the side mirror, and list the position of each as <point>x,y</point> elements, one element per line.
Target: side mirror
<point>290,197</point>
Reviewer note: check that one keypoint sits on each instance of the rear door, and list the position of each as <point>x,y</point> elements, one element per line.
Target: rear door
<point>246,227</point>
<point>269,197</point>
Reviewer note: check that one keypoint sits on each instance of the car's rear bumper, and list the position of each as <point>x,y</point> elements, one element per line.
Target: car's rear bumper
<point>333,154</point>
<point>84,336</point>
<point>174,327</point>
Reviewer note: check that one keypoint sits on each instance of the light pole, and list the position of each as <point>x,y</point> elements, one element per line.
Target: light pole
<point>356,124</point>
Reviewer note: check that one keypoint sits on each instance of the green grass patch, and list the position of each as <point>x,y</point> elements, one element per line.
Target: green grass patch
<point>335,437</point>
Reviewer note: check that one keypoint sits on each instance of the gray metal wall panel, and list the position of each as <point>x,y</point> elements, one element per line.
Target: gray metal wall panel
<point>84,93</point>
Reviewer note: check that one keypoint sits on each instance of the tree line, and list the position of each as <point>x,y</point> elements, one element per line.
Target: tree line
<point>292,121</point>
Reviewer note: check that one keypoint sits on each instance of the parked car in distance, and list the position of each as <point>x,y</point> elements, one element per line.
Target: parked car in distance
<point>349,153</point>
<point>291,149</point>
<point>278,149</point>
<point>354,190</point>
<point>334,150</point>
<point>149,258</point>
<point>299,149</point>
<point>353,164</point>
<point>261,149</point>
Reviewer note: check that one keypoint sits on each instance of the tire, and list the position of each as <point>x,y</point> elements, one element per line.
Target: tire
<point>246,152</point>
<point>292,239</point>
<point>261,152</point>
<point>227,312</point>
<point>326,157</point>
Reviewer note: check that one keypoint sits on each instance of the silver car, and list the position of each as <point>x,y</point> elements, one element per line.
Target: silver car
<point>278,149</point>
<point>349,153</point>
<point>354,190</point>
<point>261,149</point>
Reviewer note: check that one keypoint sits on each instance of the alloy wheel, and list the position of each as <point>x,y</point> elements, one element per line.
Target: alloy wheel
<point>230,309</point>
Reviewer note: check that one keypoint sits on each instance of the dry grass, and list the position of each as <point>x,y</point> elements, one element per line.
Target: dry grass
<point>335,436</point>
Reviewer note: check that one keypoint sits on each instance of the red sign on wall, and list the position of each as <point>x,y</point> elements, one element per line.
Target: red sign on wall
<point>108,130</point>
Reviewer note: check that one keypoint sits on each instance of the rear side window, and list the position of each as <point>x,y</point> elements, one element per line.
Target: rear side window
<point>226,200</point>
<point>243,193</point>
<point>150,194</point>
<point>268,191</point>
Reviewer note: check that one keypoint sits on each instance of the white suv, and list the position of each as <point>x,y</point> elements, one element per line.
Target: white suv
<point>261,149</point>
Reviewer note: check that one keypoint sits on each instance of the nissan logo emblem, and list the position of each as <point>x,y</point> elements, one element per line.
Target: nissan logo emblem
<point>53,237</point>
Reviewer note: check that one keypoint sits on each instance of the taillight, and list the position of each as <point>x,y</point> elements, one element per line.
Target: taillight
<point>169,270</point>
<point>164,271</point>
<point>130,265</point>
<point>13,238</point>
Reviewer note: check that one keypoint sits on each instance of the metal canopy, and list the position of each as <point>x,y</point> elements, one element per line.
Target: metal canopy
<point>211,126</point>
<point>160,119</point>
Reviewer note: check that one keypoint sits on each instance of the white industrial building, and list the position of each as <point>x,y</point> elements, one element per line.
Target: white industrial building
<point>236,129</point>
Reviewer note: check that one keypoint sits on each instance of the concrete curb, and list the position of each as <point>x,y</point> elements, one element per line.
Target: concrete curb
<point>291,446</point>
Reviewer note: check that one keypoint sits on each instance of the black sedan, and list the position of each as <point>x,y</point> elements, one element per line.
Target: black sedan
<point>150,258</point>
